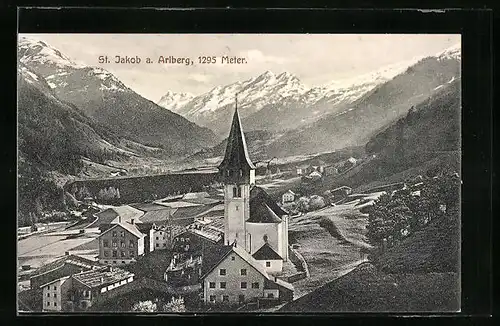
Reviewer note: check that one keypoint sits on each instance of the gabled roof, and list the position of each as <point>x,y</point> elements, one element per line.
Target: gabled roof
<point>102,276</point>
<point>68,259</point>
<point>236,155</point>
<point>290,192</point>
<point>262,213</point>
<point>266,253</point>
<point>214,255</point>
<point>263,209</point>
<point>111,214</point>
<point>62,279</point>
<point>128,227</point>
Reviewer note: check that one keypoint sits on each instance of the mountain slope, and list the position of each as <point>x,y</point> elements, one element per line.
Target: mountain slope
<point>101,96</point>
<point>375,110</point>
<point>174,101</point>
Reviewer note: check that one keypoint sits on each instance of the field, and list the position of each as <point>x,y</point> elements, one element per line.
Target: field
<point>41,249</point>
<point>330,240</point>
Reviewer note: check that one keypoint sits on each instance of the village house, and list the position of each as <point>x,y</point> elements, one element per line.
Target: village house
<point>163,236</point>
<point>80,291</point>
<point>122,243</point>
<point>303,169</point>
<point>231,276</point>
<point>340,192</point>
<point>288,197</point>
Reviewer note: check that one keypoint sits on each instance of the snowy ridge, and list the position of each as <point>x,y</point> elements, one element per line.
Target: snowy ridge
<point>35,51</point>
<point>173,101</point>
<point>453,52</point>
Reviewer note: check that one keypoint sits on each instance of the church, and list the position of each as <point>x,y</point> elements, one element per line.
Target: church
<point>252,219</point>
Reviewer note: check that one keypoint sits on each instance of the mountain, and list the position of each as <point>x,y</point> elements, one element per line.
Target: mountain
<point>375,110</point>
<point>278,102</point>
<point>215,108</point>
<point>174,101</point>
<point>424,141</point>
<point>101,96</point>
<point>53,137</point>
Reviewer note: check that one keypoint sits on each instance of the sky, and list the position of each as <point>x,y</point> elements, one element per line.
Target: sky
<point>316,59</point>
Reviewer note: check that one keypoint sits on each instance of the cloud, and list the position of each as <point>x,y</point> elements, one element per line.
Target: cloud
<point>256,56</point>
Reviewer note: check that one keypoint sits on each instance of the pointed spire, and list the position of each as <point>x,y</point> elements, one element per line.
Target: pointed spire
<point>236,156</point>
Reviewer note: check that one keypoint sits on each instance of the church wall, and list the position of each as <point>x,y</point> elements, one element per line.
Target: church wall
<point>257,232</point>
<point>275,266</point>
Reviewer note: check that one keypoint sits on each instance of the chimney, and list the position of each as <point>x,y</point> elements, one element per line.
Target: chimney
<point>101,279</point>
<point>119,219</point>
<point>67,253</point>
<point>132,221</point>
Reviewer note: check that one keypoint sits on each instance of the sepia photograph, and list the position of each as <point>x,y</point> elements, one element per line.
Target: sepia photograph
<point>261,173</point>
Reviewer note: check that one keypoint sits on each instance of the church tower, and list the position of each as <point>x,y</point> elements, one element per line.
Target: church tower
<point>238,175</point>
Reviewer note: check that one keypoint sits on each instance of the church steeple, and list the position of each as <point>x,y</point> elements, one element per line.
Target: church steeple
<point>236,165</point>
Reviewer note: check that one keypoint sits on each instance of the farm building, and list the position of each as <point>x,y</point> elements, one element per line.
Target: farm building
<point>65,266</point>
<point>80,291</point>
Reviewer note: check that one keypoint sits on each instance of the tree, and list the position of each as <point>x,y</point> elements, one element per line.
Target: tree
<point>175,305</point>
<point>145,306</point>
<point>316,202</point>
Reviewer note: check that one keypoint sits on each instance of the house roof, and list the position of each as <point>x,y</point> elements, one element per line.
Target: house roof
<point>290,192</point>
<point>195,195</point>
<point>68,259</point>
<point>147,207</point>
<point>211,229</point>
<point>112,214</point>
<point>236,155</point>
<point>189,212</point>
<point>266,253</point>
<point>212,256</point>
<point>262,213</point>
<point>61,279</point>
<point>263,207</point>
<point>102,276</point>
<point>132,228</point>
<point>158,215</point>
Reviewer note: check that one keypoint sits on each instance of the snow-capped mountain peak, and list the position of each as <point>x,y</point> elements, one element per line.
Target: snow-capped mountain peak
<point>173,101</point>
<point>35,51</point>
<point>453,52</point>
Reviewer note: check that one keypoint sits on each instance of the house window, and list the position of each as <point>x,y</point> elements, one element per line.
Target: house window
<point>235,192</point>
<point>211,285</point>
<point>55,295</point>
<point>115,244</point>
<point>55,304</point>
<point>232,257</point>
<point>237,208</point>
<point>122,234</point>
<point>105,243</point>
<point>157,245</point>
<point>48,303</point>
<point>270,295</point>
<point>131,243</point>
<point>225,298</point>
<point>268,264</point>
<point>123,253</point>
<point>164,244</point>
<point>157,238</point>
<point>212,298</point>
<point>241,298</point>
<point>239,192</point>
<point>48,295</point>
<point>114,233</point>
<point>255,285</point>
<point>222,271</point>
<point>55,287</point>
<point>106,253</point>
<point>115,253</point>
<point>243,285</point>
<point>222,285</point>
<point>122,243</point>
<point>114,261</point>
<point>123,262</point>
<point>243,271</point>
<point>131,253</point>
